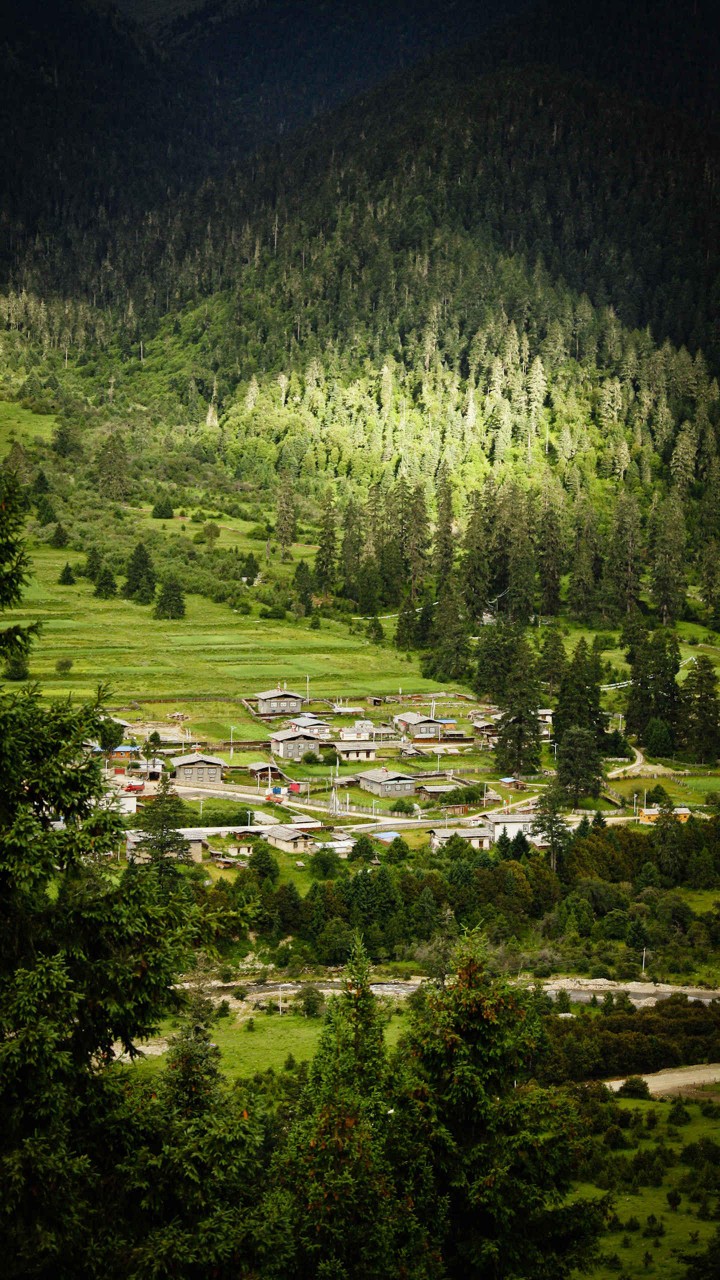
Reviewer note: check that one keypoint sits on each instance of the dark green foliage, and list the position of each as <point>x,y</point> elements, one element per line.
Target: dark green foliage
<point>67,577</point>
<point>105,585</point>
<point>93,564</point>
<point>263,863</point>
<point>140,576</point>
<point>59,537</point>
<point>518,745</point>
<point>579,770</point>
<point>160,821</point>
<point>163,509</point>
<point>83,967</point>
<point>45,510</point>
<point>326,558</point>
<point>701,712</point>
<point>579,695</point>
<point>171,600</point>
<point>448,653</point>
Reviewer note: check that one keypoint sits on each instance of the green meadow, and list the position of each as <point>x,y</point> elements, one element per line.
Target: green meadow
<point>212,652</point>
<point>274,1036</point>
<point>681,1231</point>
<point>23,426</point>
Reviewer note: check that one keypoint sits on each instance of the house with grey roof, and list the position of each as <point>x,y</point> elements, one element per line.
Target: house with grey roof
<point>386,782</point>
<point>198,770</point>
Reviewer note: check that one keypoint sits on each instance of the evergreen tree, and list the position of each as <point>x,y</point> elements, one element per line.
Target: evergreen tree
<point>113,468</point>
<point>160,821</point>
<point>447,658</point>
<point>105,585</point>
<point>351,549</point>
<point>141,578</point>
<point>93,564</point>
<point>475,571</point>
<point>579,767</point>
<point>579,696</point>
<point>501,1156</point>
<point>285,519</point>
<point>701,719</point>
<point>549,824</point>
<point>60,537</point>
<point>497,651</point>
<point>710,580</point>
<point>326,558</point>
<point>582,591</point>
<point>348,1134</point>
<point>45,510</point>
<point>303,584</point>
<point>551,556</point>
<point>654,691</point>
<point>553,662</point>
<point>521,563</point>
<point>406,631</point>
<point>625,552</point>
<point>67,577</point>
<point>171,601</point>
<point>668,560</point>
<point>417,540</point>
<point>163,509</point>
<point>425,622</point>
<point>444,542</point>
<point>375,631</point>
<point>518,746</point>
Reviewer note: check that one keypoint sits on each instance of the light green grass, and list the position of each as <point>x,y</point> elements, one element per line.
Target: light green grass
<point>244,1052</point>
<point>210,652</point>
<point>23,426</point>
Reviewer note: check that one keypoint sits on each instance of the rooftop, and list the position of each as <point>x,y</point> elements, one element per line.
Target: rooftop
<point>385,775</point>
<point>196,758</point>
<point>279,693</point>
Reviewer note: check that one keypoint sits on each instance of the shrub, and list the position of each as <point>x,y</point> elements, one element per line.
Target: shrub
<point>63,665</point>
<point>634,1087</point>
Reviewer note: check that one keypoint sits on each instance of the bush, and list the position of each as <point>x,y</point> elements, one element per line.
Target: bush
<point>311,1002</point>
<point>402,806</point>
<point>63,665</point>
<point>250,1024</point>
<point>163,509</point>
<point>634,1087</point>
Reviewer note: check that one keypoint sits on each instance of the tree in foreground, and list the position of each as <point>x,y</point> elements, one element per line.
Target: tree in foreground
<point>500,1149</point>
<point>87,962</point>
<point>171,601</point>
<point>348,1185</point>
<point>105,587</point>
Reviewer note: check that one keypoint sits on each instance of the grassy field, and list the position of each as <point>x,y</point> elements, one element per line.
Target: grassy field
<point>268,1045</point>
<point>630,1247</point>
<point>23,426</point>
<point>211,652</point>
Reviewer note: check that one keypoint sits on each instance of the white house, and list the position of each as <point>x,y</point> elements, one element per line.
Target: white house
<point>476,837</point>
<point>355,749</point>
<point>278,702</point>
<point>420,726</point>
<point>511,823</point>
<point>291,744</point>
<point>307,722</point>
<point>386,782</point>
<point>198,770</point>
<point>289,839</point>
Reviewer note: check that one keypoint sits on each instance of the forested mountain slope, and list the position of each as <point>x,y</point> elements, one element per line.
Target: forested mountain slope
<point>509,280</point>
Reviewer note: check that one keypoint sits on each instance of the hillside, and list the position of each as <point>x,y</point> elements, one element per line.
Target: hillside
<point>502,282</point>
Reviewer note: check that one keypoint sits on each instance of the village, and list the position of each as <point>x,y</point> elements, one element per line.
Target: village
<point>320,772</point>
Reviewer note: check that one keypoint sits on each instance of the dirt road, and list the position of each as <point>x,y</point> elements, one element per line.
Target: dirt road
<point>676,1079</point>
